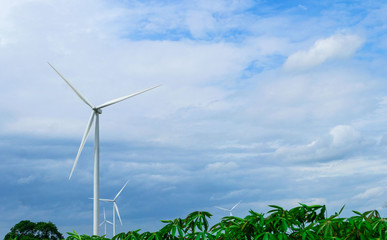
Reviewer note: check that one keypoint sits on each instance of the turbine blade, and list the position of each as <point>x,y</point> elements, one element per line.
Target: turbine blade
<point>224,209</point>
<point>125,97</point>
<point>106,200</point>
<point>85,135</point>
<point>104,215</point>
<point>101,223</point>
<point>72,87</point>
<point>121,190</point>
<point>118,213</point>
<point>109,222</point>
<point>235,205</point>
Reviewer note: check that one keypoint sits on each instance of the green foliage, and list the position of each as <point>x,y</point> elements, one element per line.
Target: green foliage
<point>174,229</point>
<point>76,236</point>
<point>300,223</point>
<point>27,230</point>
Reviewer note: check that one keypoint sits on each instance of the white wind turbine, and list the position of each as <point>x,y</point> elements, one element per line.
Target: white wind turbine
<point>105,221</point>
<point>96,111</point>
<point>115,208</point>
<point>229,210</point>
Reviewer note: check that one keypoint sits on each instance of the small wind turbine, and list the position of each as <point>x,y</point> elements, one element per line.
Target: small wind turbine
<point>96,111</point>
<point>105,221</point>
<point>115,208</point>
<point>229,210</point>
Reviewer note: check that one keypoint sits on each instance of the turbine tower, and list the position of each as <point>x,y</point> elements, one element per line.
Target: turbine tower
<point>96,111</point>
<point>229,210</point>
<point>115,208</point>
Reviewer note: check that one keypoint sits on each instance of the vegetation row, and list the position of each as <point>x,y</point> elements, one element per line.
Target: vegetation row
<point>302,223</point>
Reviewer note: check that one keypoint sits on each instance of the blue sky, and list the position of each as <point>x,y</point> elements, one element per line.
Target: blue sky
<point>263,102</point>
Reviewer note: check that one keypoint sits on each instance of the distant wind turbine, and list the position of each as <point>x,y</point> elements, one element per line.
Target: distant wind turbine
<point>115,208</point>
<point>96,111</point>
<point>105,221</point>
<point>229,210</point>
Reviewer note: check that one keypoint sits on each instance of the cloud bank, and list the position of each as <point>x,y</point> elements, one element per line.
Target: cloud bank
<point>339,46</point>
<point>268,103</point>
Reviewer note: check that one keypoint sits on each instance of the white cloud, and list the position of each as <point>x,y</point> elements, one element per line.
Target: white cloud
<point>222,166</point>
<point>240,155</point>
<point>44,126</point>
<point>371,193</point>
<point>200,23</point>
<point>344,135</point>
<point>26,180</point>
<point>335,47</point>
<point>237,194</point>
<point>342,139</point>
<point>350,167</point>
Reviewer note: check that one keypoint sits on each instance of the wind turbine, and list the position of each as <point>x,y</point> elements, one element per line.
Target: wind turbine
<point>96,111</point>
<point>115,208</point>
<point>229,210</point>
<point>105,221</point>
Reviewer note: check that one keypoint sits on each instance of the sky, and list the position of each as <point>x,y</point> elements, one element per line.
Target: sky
<point>263,102</point>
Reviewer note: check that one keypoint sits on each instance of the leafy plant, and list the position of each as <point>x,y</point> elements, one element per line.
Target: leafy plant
<point>300,223</point>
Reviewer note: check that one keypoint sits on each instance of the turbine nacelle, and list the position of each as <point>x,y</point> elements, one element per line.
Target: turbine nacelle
<point>97,110</point>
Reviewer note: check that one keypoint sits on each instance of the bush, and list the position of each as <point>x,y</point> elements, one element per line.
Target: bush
<point>27,230</point>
